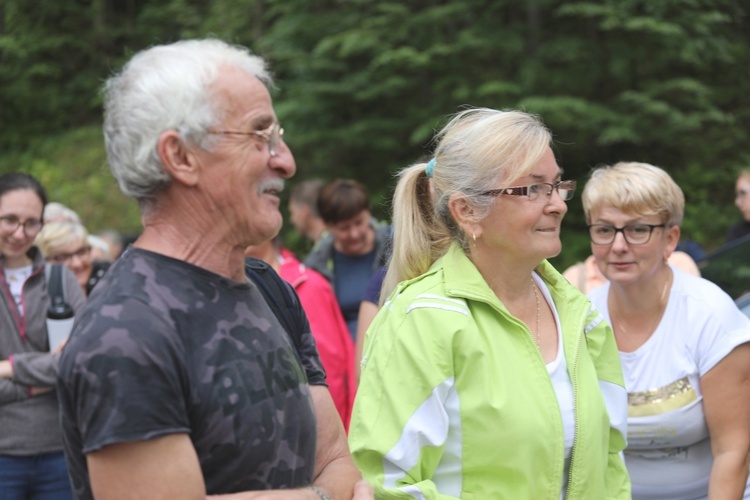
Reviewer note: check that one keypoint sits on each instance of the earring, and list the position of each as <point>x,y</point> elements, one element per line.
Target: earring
<point>474,235</point>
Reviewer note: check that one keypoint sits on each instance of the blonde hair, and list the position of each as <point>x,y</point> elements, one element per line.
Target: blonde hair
<point>474,150</point>
<point>60,234</point>
<point>744,174</point>
<point>634,188</point>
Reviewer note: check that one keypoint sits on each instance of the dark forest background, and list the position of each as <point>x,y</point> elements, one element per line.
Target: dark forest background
<point>362,86</point>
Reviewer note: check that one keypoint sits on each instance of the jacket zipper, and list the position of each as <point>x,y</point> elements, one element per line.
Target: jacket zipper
<point>574,380</point>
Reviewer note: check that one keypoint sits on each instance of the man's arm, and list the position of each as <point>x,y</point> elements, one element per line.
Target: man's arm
<point>168,467</point>
<point>335,471</point>
<point>336,475</point>
<point>163,468</point>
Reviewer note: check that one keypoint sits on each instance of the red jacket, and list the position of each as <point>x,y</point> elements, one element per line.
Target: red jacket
<point>329,329</point>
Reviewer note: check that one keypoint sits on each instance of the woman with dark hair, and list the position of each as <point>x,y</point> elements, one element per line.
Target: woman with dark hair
<point>32,465</point>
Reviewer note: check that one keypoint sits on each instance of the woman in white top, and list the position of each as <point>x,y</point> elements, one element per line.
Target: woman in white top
<point>683,343</point>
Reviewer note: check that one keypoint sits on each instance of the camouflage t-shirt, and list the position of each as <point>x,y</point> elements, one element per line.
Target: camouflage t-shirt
<point>165,347</point>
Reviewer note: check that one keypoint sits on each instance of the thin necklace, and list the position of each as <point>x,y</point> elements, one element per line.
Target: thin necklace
<point>536,298</point>
<point>654,323</point>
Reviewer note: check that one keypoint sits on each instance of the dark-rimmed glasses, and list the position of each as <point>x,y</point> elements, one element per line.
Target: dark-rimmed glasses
<point>64,258</point>
<point>634,234</point>
<point>566,190</point>
<point>272,135</point>
<point>9,224</point>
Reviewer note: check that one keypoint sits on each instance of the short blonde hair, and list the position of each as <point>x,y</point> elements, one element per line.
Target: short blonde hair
<point>634,188</point>
<point>57,235</point>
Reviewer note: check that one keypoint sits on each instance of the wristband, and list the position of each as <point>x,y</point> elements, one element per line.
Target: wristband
<point>319,492</point>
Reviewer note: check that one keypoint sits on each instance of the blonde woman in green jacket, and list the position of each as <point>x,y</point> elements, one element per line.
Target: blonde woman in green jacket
<point>486,374</point>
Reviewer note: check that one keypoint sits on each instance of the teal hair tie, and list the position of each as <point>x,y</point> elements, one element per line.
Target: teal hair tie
<point>430,168</point>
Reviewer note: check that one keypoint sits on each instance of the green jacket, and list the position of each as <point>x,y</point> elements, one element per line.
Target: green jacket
<point>455,400</point>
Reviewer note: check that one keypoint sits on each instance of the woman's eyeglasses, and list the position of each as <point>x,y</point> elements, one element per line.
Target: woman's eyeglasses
<point>9,224</point>
<point>534,192</point>
<point>64,258</point>
<point>634,234</point>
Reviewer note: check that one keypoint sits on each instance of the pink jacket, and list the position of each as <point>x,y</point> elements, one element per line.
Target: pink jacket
<point>329,329</point>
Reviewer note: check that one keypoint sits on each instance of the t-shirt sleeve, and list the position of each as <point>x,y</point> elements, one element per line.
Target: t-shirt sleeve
<point>722,327</point>
<point>130,383</point>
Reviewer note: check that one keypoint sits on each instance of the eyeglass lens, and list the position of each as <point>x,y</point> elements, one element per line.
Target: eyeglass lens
<point>10,224</point>
<point>273,135</point>
<point>566,190</point>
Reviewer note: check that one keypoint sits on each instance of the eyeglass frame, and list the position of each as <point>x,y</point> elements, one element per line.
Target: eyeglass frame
<point>267,134</point>
<point>622,229</point>
<point>526,190</point>
<point>36,225</point>
<point>63,258</point>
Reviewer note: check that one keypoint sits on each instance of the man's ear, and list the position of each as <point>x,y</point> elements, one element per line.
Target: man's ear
<point>179,162</point>
<point>464,214</point>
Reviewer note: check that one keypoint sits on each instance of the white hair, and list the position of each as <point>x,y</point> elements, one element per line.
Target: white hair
<point>54,212</point>
<point>165,87</point>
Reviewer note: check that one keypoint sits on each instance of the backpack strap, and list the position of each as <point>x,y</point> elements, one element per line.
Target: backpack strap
<point>55,283</point>
<point>280,296</point>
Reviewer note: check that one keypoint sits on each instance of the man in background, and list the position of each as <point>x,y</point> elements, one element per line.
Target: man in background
<point>303,209</point>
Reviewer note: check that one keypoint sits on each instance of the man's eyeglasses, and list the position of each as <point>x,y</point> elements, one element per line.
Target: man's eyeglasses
<point>634,234</point>
<point>64,258</point>
<point>566,190</point>
<point>272,135</point>
<point>9,225</point>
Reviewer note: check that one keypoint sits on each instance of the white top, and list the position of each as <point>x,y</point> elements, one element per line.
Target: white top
<point>669,450</point>
<point>558,373</point>
<point>15,279</point>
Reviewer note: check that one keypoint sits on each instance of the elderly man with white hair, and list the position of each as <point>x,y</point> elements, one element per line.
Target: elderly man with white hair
<point>179,381</point>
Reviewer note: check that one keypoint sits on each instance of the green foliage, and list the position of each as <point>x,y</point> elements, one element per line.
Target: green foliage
<point>362,86</point>
<point>72,168</point>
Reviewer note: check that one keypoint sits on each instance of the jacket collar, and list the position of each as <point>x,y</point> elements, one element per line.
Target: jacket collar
<point>463,279</point>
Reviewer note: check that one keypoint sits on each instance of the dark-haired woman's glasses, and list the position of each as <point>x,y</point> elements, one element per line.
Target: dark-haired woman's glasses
<point>9,225</point>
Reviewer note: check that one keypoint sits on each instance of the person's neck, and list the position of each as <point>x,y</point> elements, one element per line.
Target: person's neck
<point>16,262</point>
<point>509,279</point>
<point>636,309</point>
<point>644,296</point>
<point>201,248</point>
<point>315,230</point>
<point>267,253</point>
